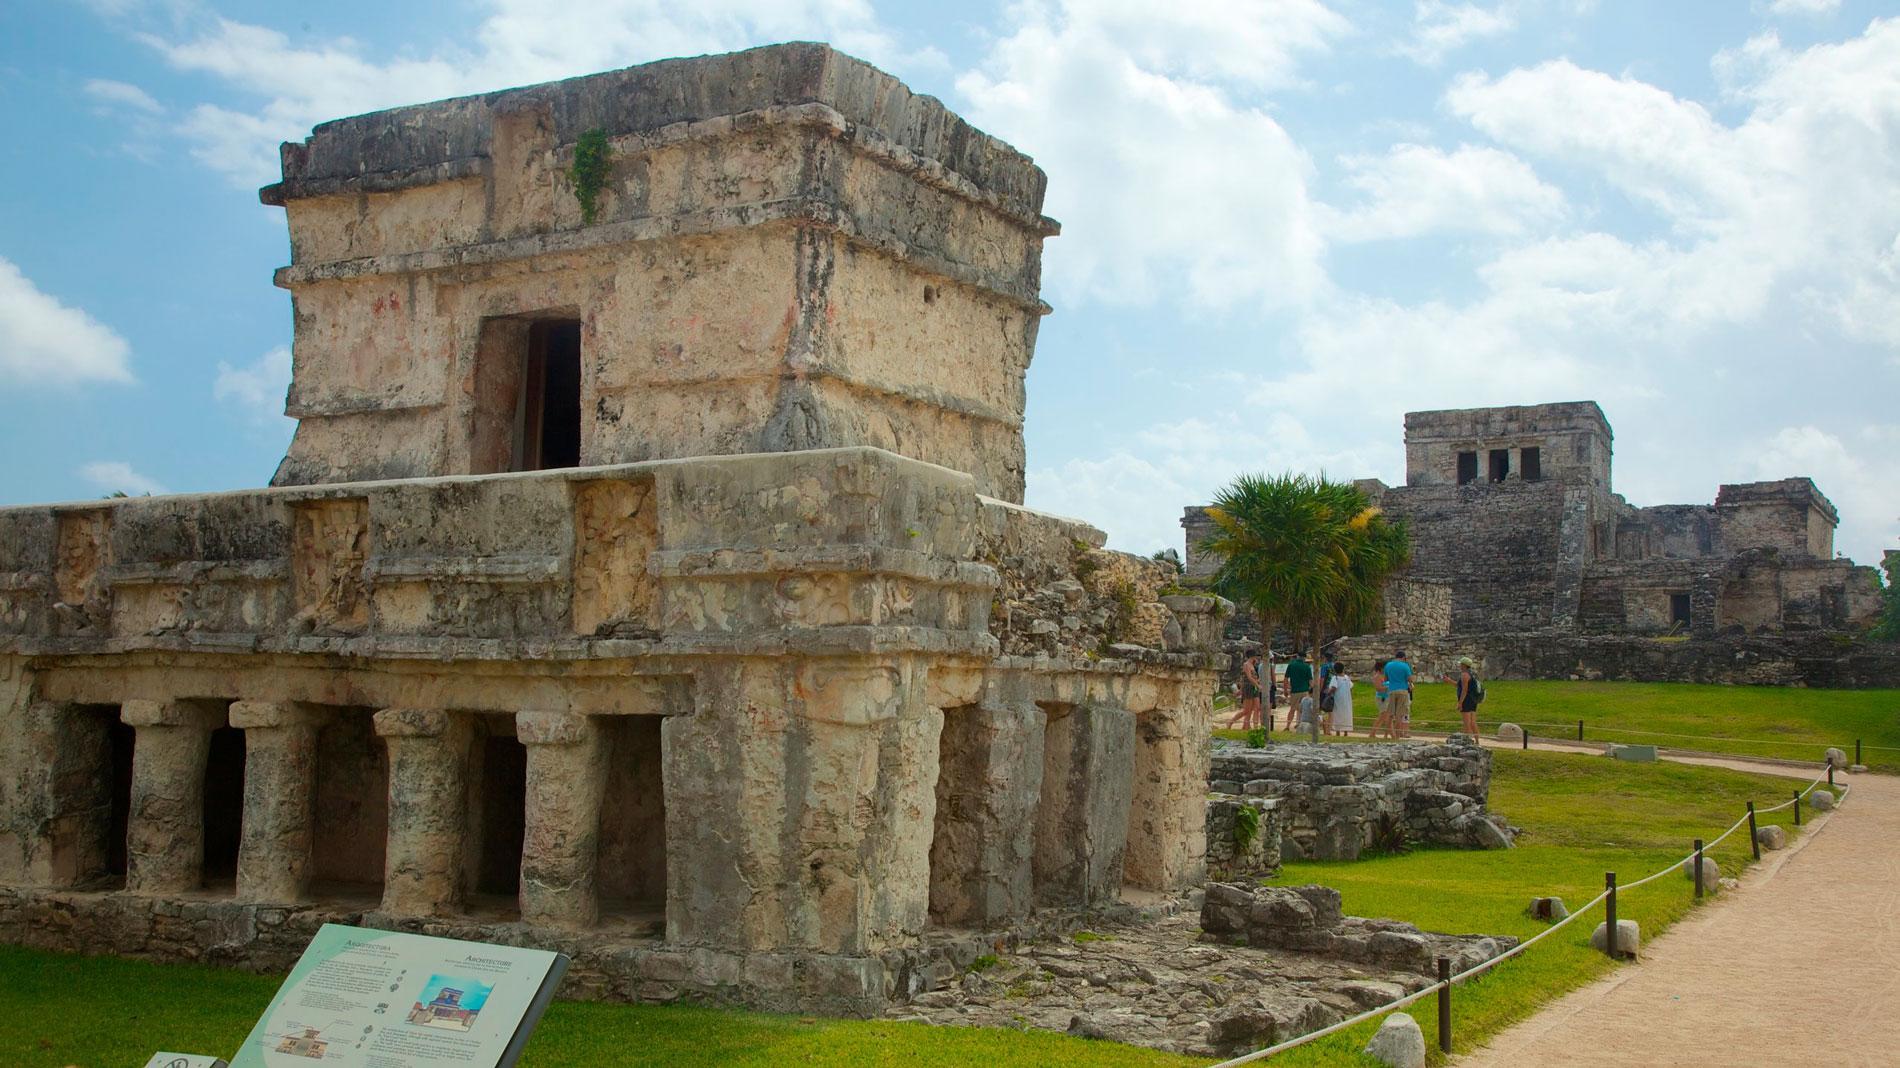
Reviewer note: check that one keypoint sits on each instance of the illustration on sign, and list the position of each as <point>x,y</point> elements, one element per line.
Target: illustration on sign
<point>470,1003</point>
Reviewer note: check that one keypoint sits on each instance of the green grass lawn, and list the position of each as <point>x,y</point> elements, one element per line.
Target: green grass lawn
<point>1796,724</point>
<point>1581,816</point>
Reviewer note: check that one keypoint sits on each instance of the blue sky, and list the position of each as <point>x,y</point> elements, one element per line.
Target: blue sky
<point>1286,222</point>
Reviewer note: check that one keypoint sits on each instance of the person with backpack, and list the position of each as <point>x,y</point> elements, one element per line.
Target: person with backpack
<point>1470,695</point>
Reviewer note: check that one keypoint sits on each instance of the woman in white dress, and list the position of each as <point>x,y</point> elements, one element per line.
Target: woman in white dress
<point>1341,690</point>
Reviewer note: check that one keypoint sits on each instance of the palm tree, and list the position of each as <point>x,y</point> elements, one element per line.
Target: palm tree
<point>1303,551</point>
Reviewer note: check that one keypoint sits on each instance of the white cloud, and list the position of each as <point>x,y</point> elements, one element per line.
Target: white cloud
<point>45,342</point>
<point>1439,28</point>
<point>1803,7</point>
<point>1157,171</point>
<point>1857,469</point>
<point>257,390</point>
<point>117,476</point>
<point>1416,189</point>
<point>122,94</point>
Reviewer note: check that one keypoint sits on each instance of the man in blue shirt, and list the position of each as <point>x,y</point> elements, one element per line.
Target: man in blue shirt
<point>1398,688</point>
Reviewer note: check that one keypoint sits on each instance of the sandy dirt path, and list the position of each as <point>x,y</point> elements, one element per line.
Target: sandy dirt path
<point>1798,965</point>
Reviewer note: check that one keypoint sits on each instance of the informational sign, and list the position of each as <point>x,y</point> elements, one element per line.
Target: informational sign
<point>185,1060</point>
<point>383,999</point>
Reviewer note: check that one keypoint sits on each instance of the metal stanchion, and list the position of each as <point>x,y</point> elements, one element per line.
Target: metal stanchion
<point>1609,917</point>
<point>1527,739</point>
<point>1579,730</point>
<point>1698,867</point>
<point>1753,839</point>
<point>1444,1004</point>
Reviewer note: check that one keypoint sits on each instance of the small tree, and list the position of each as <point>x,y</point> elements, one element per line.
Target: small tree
<point>1887,627</point>
<point>1303,551</point>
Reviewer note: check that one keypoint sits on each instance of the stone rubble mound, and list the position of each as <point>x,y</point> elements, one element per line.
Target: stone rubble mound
<point>1336,801</point>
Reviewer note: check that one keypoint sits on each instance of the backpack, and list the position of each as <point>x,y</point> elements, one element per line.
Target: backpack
<point>1478,688</point>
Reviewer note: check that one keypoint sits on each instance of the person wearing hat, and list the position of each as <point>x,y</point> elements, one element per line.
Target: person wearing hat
<point>1470,692</point>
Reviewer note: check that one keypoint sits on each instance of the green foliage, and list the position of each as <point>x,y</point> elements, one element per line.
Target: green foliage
<point>1246,825</point>
<point>1083,559</point>
<point>1887,628</point>
<point>593,163</point>
<point>1257,738</point>
<point>1093,936</point>
<point>1169,557</point>
<point>1303,550</point>
<point>983,963</point>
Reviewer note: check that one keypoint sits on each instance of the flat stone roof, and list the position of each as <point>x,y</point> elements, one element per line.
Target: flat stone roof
<point>449,139</point>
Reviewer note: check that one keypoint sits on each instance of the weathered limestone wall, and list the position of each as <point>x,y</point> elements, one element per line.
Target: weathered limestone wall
<point>820,259</point>
<point>1337,801</point>
<point>751,704</point>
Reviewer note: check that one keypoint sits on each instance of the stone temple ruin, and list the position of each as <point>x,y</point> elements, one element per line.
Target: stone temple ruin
<point>1523,554</point>
<point>653,586</point>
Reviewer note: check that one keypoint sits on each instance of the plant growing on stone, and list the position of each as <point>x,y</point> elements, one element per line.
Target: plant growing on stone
<point>1246,825</point>
<point>1257,738</point>
<point>1887,628</point>
<point>593,155</point>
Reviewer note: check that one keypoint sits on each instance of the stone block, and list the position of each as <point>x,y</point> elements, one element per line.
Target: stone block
<point>1836,758</point>
<point>1711,873</point>
<point>1082,813</point>
<point>1628,937</point>
<point>1640,754</point>
<point>1771,837</point>
<point>1510,732</point>
<point>1549,909</point>
<point>1399,1043</point>
<point>1821,801</point>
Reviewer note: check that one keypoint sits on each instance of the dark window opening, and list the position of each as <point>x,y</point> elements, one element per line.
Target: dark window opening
<point>501,798</point>
<point>1467,468</point>
<point>632,873</point>
<point>119,741</point>
<point>1532,460</point>
<point>350,831</point>
<point>551,397</point>
<point>1500,464</point>
<point>223,808</point>
<point>1679,609</point>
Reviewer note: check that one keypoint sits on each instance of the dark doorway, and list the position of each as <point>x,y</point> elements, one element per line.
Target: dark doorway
<point>223,808</point>
<point>551,397</point>
<point>1679,609</point>
<point>1500,464</point>
<point>502,800</point>
<point>350,832</point>
<point>119,740</point>
<point>1532,460</point>
<point>633,825</point>
<point>1467,468</point>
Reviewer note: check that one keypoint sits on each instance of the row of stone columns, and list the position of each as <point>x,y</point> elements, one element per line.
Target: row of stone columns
<point>424,873</point>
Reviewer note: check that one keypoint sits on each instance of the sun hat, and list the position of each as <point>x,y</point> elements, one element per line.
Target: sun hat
<point>1464,661</point>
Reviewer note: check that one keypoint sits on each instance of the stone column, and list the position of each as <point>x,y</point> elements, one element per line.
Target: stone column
<point>423,874</point>
<point>799,805</point>
<point>1167,822</point>
<point>987,787</point>
<point>560,849</point>
<point>65,782</point>
<point>165,835</point>
<point>1082,814</point>
<point>280,764</point>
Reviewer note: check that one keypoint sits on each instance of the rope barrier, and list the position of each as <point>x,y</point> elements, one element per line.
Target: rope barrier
<point>1565,730</point>
<point>1487,965</point>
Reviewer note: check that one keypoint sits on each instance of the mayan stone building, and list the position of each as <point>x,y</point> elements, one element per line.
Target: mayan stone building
<point>653,586</point>
<point>1518,534</point>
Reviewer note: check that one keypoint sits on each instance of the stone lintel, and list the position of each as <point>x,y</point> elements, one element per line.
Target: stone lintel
<point>259,715</point>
